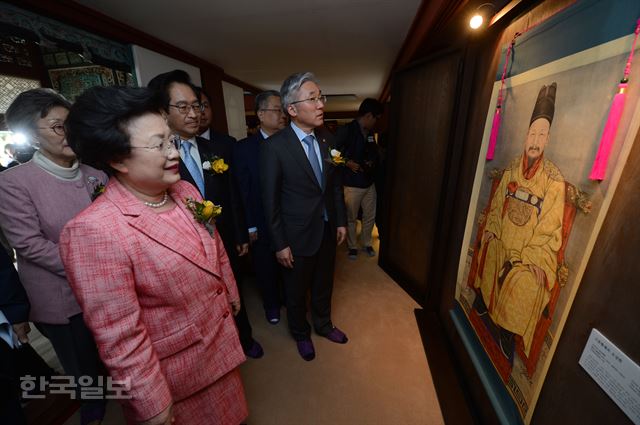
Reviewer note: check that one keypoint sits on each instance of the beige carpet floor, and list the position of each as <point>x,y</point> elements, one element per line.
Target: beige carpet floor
<point>380,376</point>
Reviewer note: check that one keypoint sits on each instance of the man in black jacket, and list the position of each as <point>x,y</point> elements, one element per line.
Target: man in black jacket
<point>247,172</point>
<point>356,143</point>
<point>304,210</point>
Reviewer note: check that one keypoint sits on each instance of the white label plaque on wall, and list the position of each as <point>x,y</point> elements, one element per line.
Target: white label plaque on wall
<point>617,374</point>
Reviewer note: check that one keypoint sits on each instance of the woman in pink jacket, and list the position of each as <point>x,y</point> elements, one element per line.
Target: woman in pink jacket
<point>153,281</point>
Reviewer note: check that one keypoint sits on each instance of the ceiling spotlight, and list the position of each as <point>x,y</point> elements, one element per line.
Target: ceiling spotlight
<point>482,13</point>
<point>476,21</point>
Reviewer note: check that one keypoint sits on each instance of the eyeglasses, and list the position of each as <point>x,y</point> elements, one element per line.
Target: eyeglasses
<point>316,100</point>
<point>57,128</point>
<point>279,111</point>
<point>184,109</point>
<point>205,105</point>
<point>172,142</point>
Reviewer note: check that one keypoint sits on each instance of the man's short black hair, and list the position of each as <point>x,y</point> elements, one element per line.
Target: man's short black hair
<point>370,105</point>
<point>262,99</point>
<point>96,127</point>
<point>162,83</point>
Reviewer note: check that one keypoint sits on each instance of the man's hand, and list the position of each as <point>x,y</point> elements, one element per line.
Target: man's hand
<point>164,418</point>
<point>253,236</point>
<point>235,307</point>
<point>353,166</point>
<point>242,249</point>
<point>21,330</point>
<point>488,236</point>
<point>285,257</point>
<point>341,234</point>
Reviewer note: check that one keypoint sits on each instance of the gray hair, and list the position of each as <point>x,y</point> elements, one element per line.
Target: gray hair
<point>31,105</point>
<point>262,99</point>
<point>291,87</point>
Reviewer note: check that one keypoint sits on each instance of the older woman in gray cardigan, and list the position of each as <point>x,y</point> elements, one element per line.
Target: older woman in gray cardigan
<point>36,200</point>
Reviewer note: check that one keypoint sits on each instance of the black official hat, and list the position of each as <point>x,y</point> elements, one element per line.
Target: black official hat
<point>546,104</point>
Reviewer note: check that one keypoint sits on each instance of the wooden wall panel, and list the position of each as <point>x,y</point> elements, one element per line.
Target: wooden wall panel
<point>422,104</point>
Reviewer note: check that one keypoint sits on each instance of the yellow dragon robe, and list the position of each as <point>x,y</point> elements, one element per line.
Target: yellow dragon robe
<point>525,219</point>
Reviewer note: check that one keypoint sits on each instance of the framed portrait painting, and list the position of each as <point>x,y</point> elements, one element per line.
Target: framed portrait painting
<point>534,213</point>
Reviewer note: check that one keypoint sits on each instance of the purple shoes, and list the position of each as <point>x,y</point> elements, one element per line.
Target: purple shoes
<point>255,351</point>
<point>306,350</point>
<point>337,336</point>
<point>273,315</point>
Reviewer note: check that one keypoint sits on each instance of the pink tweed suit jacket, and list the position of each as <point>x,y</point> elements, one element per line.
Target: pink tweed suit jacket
<point>156,302</point>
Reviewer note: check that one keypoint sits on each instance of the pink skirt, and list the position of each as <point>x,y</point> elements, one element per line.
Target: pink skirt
<point>222,402</point>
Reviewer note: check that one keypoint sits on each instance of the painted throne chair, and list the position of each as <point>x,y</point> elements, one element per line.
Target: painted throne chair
<point>575,200</point>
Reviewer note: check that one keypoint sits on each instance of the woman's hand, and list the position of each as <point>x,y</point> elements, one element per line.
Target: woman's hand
<point>235,307</point>
<point>164,418</point>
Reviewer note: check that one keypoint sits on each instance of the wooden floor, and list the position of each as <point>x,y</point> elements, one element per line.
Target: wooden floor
<point>380,377</point>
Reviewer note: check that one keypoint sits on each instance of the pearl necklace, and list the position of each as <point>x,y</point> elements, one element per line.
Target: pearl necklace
<point>165,198</point>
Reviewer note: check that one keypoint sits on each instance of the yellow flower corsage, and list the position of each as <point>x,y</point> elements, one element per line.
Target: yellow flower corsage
<point>215,165</point>
<point>204,212</point>
<point>336,157</point>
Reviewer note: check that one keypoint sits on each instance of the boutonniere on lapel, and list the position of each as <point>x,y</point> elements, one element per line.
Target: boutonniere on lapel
<point>215,165</point>
<point>336,158</point>
<point>98,187</point>
<point>204,212</point>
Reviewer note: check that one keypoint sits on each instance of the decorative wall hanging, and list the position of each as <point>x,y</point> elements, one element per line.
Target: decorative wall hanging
<point>72,82</point>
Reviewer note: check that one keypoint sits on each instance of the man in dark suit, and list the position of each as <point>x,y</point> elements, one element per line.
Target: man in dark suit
<point>183,109</point>
<point>246,164</point>
<point>305,211</point>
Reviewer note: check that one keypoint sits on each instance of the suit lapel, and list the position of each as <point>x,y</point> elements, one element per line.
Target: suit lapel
<point>297,151</point>
<point>149,223</point>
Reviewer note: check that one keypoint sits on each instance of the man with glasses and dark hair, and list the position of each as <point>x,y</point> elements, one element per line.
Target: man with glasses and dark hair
<point>182,109</point>
<point>246,164</point>
<point>304,209</point>
<point>357,143</point>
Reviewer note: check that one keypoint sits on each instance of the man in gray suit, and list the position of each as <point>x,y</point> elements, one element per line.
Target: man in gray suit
<point>304,210</point>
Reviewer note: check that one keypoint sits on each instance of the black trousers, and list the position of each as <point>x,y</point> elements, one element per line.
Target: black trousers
<point>245,332</point>
<point>311,274</point>
<point>265,266</point>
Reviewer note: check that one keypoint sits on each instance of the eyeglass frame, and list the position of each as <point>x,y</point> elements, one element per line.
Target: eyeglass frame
<point>322,98</point>
<point>198,108</point>
<point>272,110</point>
<point>53,128</point>
<point>173,142</point>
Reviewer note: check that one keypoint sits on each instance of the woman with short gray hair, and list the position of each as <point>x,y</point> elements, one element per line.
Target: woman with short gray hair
<point>37,199</point>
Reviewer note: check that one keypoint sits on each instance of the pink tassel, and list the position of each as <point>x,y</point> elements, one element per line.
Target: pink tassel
<point>609,135</point>
<point>495,128</point>
<point>497,117</point>
<point>599,168</point>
